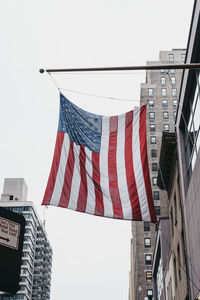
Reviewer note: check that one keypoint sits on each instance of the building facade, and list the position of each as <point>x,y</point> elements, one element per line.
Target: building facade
<point>160,257</point>
<point>188,139</point>
<point>35,278</point>
<point>160,92</point>
<point>175,270</point>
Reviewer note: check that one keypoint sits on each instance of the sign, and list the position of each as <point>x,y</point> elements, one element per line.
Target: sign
<point>9,233</point>
<point>12,226</point>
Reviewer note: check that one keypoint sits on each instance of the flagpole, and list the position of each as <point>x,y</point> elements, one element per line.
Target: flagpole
<point>128,68</point>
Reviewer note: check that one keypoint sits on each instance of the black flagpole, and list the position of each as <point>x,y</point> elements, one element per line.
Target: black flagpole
<point>129,68</point>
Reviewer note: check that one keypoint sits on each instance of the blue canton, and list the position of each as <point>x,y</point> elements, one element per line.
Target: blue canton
<point>84,128</point>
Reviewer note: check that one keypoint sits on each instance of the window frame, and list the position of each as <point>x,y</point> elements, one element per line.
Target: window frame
<point>153,140</point>
<point>163,92</point>
<point>148,261</point>
<point>152,127</point>
<point>154,180</point>
<point>171,57</point>
<point>163,80</point>
<point>165,115</point>
<point>183,57</point>
<point>156,195</point>
<point>146,226</point>
<point>154,167</point>
<point>166,125</point>
<point>192,129</point>
<point>151,115</point>
<point>157,210</point>
<point>148,290</point>
<point>146,244</point>
<point>174,102</point>
<point>173,80</point>
<point>150,92</point>
<point>151,102</point>
<point>174,114</point>
<point>164,103</point>
<point>153,153</point>
<point>148,276</point>
<point>174,92</point>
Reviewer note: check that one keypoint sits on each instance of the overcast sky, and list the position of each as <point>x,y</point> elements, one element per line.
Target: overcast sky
<point>91,255</point>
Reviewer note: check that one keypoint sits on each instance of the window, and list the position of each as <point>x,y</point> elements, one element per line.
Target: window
<point>153,153</point>
<point>24,271</point>
<point>154,180</point>
<point>174,101</point>
<point>174,114</point>
<point>172,71</point>
<point>164,92</point>
<point>151,103</point>
<point>11,197</point>
<point>150,92</point>
<point>152,115</point>
<point>156,195</point>
<point>150,293</point>
<point>165,115</point>
<point>153,139</point>
<point>165,127</point>
<point>162,71</point>
<point>173,80</point>
<point>146,226</point>
<point>157,209</point>
<point>147,242</point>
<point>164,103</point>
<point>171,57</point>
<point>192,129</point>
<point>28,223</point>
<point>162,80</point>
<point>148,276</point>
<point>148,259</point>
<point>22,288</point>
<point>152,127</point>
<point>174,92</point>
<point>183,57</point>
<point>154,167</point>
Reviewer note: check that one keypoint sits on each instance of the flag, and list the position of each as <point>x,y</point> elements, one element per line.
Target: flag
<point>100,164</point>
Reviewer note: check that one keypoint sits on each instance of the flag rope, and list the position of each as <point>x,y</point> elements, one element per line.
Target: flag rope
<point>88,94</point>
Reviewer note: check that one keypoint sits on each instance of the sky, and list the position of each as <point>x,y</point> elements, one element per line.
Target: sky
<point>91,255</point>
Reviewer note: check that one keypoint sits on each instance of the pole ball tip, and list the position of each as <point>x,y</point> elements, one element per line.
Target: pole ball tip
<point>41,70</point>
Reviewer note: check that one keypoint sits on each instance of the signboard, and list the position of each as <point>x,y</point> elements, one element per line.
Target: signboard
<point>12,227</point>
<point>9,233</point>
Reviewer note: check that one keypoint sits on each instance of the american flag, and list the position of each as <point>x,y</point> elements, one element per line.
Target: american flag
<point>100,164</point>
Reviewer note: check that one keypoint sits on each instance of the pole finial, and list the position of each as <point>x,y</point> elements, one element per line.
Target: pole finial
<point>42,70</point>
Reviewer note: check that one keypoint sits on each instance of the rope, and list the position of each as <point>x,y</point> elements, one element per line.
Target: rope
<point>91,95</point>
<point>98,96</point>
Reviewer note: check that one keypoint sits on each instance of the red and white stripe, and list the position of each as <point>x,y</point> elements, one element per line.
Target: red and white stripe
<point>114,183</point>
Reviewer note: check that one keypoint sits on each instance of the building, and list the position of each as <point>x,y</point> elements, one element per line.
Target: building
<point>132,273</point>
<point>173,248</point>
<point>180,175</point>
<point>160,92</point>
<point>188,141</point>
<point>35,278</point>
<point>160,258</point>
